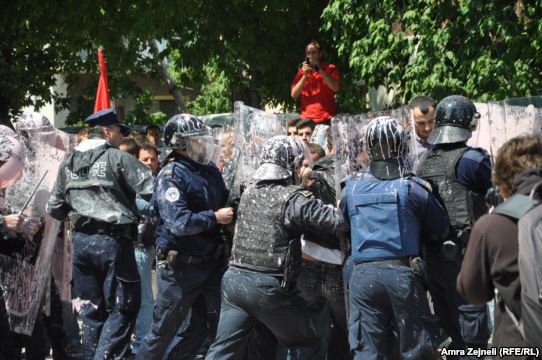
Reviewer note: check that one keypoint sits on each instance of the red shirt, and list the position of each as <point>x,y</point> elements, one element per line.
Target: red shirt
<point>317,99</point>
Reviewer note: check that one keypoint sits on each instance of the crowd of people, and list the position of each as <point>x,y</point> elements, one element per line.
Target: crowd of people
<point>399,265</point>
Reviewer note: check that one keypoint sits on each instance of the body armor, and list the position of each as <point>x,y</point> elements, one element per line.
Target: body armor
<point>382,224</point>
<point>463,205</point>
<point>261,240</point>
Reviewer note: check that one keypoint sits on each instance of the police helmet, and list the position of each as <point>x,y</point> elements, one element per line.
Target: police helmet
<point>385,139</point>
<point>12,158</point>
<point>183,126</point>
<point>282,158</point>
<point>455,119</point>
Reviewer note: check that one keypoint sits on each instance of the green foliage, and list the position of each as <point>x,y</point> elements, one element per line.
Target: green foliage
<point>215,93</point>
<point>140,112</point>
<point>487,50</point>
<point>158,118</point>
<point>254,48</point>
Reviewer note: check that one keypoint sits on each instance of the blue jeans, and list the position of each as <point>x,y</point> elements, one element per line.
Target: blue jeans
<point>389,314</point>
<point>106,293</point>
<point>144,258</point>
<point>249,298</point>
<point>320,284</point>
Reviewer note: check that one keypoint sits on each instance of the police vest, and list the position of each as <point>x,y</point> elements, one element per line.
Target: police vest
<point>463,205</point>
<point>382,224</point>
<point>261,240</point>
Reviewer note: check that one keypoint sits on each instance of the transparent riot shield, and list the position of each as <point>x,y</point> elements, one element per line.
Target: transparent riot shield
<point>25,276</point>
<point>24,283</point>
<point>252,128</point>
<point>503,120</point>
<point>347,134</point>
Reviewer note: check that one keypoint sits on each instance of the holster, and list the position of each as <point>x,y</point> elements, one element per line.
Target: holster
<point>292,264</point>
<point>417,265</point>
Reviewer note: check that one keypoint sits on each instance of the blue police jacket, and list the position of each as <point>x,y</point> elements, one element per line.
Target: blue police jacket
<point>388,217</point>
<point>186,197</point>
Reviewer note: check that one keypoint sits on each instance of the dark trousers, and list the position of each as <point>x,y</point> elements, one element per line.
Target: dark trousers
<point>106,293</point>
<point>467,325</point>
<point>389,314</point>
<point>321,283</point>
<point>192,336</point>
<point>178,290</point>
<point>6,344</point>
<point>249,298</point>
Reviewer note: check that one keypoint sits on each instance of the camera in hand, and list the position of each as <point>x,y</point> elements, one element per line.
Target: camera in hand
<point>315,67</point>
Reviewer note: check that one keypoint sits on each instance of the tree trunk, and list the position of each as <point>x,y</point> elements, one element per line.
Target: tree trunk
<point>255,98</point>
<point>4,113</point>
<point>162,67</point>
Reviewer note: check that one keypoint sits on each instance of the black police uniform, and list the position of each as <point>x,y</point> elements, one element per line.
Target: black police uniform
<point>190,255</point>
<point>259,285</point>
<point>460,176</point>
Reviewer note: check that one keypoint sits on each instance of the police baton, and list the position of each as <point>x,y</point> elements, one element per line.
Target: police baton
<point>33,192</point>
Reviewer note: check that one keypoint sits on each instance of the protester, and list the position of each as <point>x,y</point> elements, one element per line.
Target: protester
<point>423,122</point>
<point>145,251</point>
<point>305,129</point>
<point>316,83</point>
<point>292,126</point>
<point>320,282</point>
<point>130,146</point>
<point>317,152</point>
<point>153,136</point>
<point>460,177</point>
<point>82,135</point>
<point>139,137</point>
<point>189,200</point>
<point>387,210</point>
<point>491,258</point>
<point>259,285</point>
<point>95,189</point>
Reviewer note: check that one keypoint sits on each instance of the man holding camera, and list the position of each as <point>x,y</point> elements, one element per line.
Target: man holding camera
<point>317,84</point>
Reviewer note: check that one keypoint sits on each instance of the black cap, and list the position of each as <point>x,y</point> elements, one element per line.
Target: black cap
<point>106,118</point>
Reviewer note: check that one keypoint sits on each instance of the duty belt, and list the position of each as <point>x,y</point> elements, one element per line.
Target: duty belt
<point>92,227</point>
<point>172,257</point>
<point>399,261</point>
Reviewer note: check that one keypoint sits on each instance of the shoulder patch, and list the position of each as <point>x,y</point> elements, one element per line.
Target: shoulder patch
<point>172,194</point>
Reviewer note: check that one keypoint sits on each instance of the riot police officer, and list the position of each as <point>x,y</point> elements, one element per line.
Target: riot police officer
<point>12,156</point>
<point>259,286</point>
<point>460,176</point>
<point>189,199</point>
<point>96,189</point>
<point>387,210</point>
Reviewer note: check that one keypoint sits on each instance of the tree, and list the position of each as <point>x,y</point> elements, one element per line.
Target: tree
<point>31,50</point>
<point>487,50</point>
<point>255,46</point>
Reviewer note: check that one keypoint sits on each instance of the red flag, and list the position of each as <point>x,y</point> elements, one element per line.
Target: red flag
<point>102,95</point>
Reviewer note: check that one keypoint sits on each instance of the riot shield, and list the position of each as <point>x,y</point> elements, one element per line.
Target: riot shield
<point>25,276</point>
<point>347,134</point>
<point>503,120</point>
<point>322,136</point>
<point>252,128</point>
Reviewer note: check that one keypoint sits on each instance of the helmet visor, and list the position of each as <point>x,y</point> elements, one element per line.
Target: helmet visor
<point>202,149</point>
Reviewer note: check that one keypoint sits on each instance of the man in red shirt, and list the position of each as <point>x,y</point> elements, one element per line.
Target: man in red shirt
<point>317,84</point>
